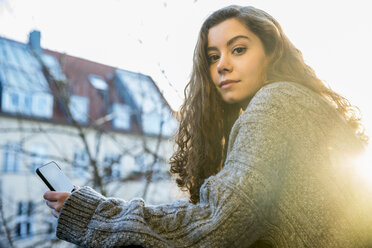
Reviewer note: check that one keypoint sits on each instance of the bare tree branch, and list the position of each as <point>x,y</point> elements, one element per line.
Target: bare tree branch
<point>149,173</point>
<point>5,225</point>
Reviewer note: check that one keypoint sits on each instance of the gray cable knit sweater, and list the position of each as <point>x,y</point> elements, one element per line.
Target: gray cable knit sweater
<point>288,181</point>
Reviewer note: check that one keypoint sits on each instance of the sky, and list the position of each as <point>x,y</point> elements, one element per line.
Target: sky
<point>157,37</point>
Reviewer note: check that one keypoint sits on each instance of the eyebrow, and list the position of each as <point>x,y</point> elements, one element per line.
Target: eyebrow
<point>231,41</point>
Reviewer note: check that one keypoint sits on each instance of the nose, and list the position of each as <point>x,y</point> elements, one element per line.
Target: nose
<point>224,64</point>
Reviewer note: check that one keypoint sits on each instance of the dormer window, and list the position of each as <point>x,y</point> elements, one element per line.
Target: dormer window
<point>98,82</point>
<point>101,86</point>
<point>122,116</point>
<point>79,108</point>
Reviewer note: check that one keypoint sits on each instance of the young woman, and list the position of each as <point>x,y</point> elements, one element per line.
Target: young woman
<point>265,150</point>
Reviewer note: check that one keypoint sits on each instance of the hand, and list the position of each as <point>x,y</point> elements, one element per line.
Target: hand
<point>55,200</point>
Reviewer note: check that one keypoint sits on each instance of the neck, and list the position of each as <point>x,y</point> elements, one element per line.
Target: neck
<point>244,103</point>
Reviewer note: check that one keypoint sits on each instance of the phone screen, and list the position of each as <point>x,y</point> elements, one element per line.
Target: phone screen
<point>54,178</point>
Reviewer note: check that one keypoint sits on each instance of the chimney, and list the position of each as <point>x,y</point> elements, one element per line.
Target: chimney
<point>34,41</point>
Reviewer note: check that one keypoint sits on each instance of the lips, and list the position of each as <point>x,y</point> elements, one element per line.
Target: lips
<point>227,83</point>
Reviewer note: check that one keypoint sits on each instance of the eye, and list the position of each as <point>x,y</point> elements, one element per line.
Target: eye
<point>239,50</point>
<point>213,58</point>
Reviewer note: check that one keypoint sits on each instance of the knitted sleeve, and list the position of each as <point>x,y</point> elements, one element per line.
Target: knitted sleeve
<point>234,204</point>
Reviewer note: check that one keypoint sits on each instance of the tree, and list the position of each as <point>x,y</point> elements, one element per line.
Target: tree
<point>103,173</point>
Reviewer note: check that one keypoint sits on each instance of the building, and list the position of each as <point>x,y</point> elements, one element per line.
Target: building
<point>106,127</point>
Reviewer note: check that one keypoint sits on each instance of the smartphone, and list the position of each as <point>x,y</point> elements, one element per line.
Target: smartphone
<point>54,178</point>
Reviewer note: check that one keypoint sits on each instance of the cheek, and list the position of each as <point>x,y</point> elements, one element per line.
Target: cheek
<point>256,71</point>
<point>214,75</point>
<point>263,65</point>
<point>215,79</point>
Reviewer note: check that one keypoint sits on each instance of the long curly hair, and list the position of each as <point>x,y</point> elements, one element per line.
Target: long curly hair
<point>206,120</point>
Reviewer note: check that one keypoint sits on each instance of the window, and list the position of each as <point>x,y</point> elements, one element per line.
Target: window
<point>24,219</point>
<point>143,162</point>
<point>14,98</point>
<point>26,94</point>
<point>26,104</point>
<point>42,105</point>
<point>81,163</point>
<point>122,115</point>
<point>160,169</point>
<point>79,108</point>
<point>12,153</point>
<point>39,156</point>
<point>15,101</point>
<point>112,166</point>
<point>98,82</point>
<point>128,165</point>
<point>151,122</point>
<point>11,101</point>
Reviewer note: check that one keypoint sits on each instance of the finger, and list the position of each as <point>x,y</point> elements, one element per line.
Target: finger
<point>51,195</point>
<point>51,204</point>
<point>55,213</point>
<point>56,196</point>
<point>55,205</point>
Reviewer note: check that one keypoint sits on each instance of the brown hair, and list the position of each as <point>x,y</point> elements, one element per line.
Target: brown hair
<point>206,120</point>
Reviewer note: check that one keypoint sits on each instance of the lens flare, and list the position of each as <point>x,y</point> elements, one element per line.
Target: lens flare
<point>364,167</point>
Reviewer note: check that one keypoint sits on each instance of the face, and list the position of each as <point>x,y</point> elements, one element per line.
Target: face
<point>237,60</point>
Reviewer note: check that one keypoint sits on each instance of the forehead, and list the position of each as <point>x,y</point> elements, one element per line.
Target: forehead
<point>227,30</point>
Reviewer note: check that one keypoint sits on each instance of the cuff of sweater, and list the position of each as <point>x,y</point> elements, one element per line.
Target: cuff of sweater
<point>76,214</point>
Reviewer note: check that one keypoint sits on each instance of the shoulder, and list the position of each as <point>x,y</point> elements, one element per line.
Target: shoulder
<point>276,106</point>
<point>287,106</point>
<point>288,98</point>
<point>284,91</point>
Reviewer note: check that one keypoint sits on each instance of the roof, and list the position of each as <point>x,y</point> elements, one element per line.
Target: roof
<point>19,69</point>
<point>98,94</point>
<point>77,71</point>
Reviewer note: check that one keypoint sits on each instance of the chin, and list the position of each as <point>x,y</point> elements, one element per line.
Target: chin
<point>230,100</point>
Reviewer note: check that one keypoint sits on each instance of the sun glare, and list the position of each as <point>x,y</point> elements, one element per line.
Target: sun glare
<point>364,167</point>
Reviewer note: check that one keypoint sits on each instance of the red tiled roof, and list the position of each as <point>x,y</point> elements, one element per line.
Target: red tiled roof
<point>77,71</point>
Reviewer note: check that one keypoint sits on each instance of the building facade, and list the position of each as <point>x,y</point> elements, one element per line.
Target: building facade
<point>106,127</point>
